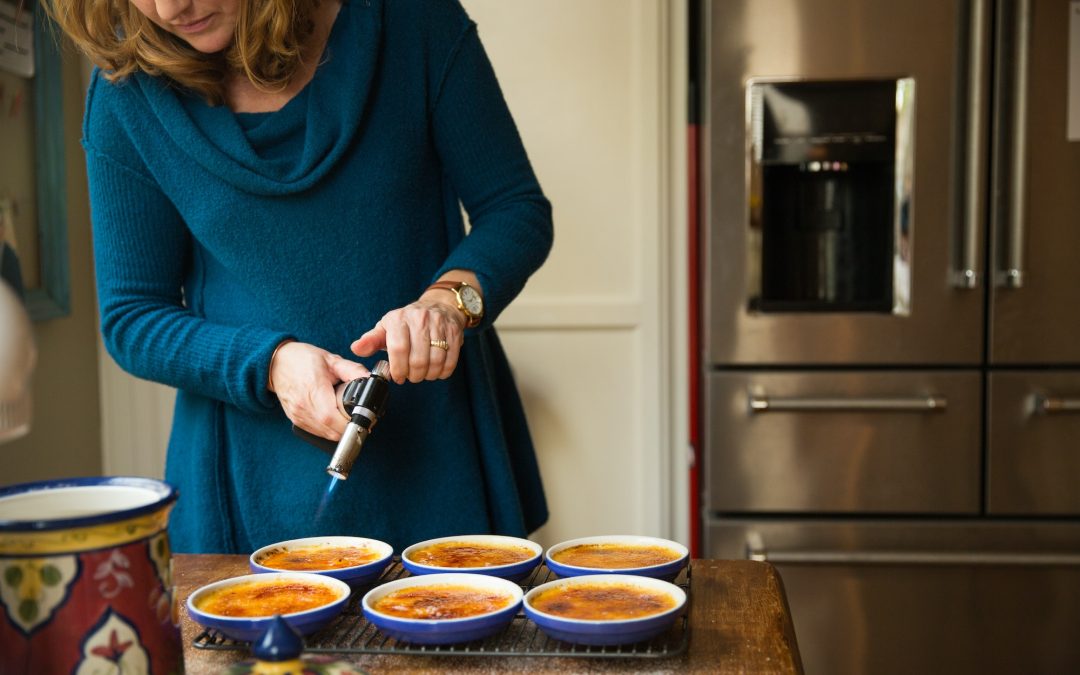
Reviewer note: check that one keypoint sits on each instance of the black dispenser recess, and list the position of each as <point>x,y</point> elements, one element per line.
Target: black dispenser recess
<point>825,166</point>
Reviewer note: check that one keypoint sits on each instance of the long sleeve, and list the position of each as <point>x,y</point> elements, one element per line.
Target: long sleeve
<point>141,251</point>
<point>483,156</point>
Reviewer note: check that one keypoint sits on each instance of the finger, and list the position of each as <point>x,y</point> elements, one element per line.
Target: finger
<point>452,356</point>
<point>370,342</point>
<point>420,337</point>
<point>450,364</point>
<point>306,418</point>
<point>438,360</point>
<point>455,341</point>
<point>345,370</point>
<point>315,408</point>
<point>327,415</point>
<point>398,344</point>
<point>437,355</point>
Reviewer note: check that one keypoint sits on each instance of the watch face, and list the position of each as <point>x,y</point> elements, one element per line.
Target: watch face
<point>471,299</point>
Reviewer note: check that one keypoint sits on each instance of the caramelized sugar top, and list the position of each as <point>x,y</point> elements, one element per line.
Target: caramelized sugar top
<point>615,556</point>
<point>441,601</point>
<point>318,557</point>
<point>602,602</point>
<point>465,554</point>
<point>266,598</point>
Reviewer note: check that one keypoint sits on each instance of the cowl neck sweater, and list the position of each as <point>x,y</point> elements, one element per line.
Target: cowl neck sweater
<point>323,117</point>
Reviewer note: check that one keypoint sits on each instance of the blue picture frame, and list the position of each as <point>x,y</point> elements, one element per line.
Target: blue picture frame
<point>53,298</point>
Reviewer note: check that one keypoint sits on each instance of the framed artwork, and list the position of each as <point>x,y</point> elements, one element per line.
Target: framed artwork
<point>33,202</point>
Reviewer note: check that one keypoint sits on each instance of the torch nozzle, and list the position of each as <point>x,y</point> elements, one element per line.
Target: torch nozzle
<point>348,449</point>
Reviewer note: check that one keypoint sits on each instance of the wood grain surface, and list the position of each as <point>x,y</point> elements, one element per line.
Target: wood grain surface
<point>739,623</point>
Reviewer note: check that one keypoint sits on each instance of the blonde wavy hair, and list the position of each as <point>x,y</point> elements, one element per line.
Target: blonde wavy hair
<point>118,38</point>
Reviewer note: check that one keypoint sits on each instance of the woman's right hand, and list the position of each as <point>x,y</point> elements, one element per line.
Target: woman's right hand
<point>304,378</point>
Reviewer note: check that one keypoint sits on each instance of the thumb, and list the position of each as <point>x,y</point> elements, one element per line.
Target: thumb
<point>370,342</point>
<point>346,370</point>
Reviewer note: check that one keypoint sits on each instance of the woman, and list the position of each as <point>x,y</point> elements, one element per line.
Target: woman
<point>276,183</point>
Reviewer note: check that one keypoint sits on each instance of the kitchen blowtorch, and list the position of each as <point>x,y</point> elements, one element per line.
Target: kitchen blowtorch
<point>364,401</point>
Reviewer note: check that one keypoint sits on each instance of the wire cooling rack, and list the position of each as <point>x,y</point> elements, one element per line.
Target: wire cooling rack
<point>351,633</point>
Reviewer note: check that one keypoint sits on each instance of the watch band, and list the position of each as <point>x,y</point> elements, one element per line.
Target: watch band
<point>447,284</point>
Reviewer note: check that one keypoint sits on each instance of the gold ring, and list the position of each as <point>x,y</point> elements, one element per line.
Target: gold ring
<point>440,344</point>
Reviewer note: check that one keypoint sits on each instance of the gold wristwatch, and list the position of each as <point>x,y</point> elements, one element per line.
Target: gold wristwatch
<point>469,300</point>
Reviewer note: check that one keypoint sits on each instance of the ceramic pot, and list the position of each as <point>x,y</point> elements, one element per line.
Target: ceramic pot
<point>85,579</point>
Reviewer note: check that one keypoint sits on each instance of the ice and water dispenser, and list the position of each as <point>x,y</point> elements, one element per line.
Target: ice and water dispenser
<point>830,195</point>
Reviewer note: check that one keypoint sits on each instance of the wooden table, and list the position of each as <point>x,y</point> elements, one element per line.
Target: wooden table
<point>739,623</point>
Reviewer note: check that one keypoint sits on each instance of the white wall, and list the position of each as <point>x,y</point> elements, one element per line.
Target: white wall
<point>136,416</point>
<point>597,339</point>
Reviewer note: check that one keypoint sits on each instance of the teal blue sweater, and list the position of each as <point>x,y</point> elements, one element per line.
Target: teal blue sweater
<point>217,235</point>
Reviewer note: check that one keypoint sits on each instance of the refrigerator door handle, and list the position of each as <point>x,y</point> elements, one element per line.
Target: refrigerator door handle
<point>966,273</point>
<point>762,403</point>
<point>1012,139</point>
<point>756,550</point>
<point>1054,405</point>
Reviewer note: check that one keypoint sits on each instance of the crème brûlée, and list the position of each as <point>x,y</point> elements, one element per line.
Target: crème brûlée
<point>441,601</point>
<point>602,602</point>
<point>309,558</point>
<point>615,556</point>
<point>266,598</point>
<point>460,554</point>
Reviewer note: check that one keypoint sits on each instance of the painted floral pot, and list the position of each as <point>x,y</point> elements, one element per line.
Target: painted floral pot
<point>85,583</point>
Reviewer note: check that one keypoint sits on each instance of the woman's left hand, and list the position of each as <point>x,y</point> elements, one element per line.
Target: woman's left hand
<point>422,339</point>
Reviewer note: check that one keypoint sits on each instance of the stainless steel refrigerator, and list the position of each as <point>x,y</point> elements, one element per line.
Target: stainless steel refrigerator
<point>891,324</point>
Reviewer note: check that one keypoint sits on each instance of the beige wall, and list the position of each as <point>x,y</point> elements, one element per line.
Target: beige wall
<point>65,435</point>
